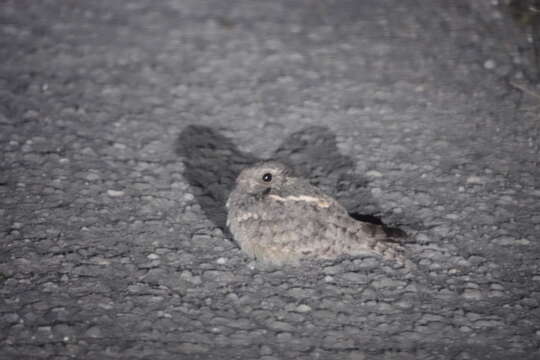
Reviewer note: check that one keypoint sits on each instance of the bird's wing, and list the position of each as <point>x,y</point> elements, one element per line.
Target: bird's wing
<point>311,223</point>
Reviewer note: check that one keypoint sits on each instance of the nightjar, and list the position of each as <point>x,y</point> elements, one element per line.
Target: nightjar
<point>279,218</point>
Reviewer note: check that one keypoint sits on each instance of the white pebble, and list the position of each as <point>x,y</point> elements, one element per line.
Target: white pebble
<point>115,193</point>
<point>374,173</point>
<point>303,308</point>
<point>490,64</point>
<point>477,180</point>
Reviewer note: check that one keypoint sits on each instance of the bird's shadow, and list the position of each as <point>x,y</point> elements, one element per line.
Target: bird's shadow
<point>212,163</point>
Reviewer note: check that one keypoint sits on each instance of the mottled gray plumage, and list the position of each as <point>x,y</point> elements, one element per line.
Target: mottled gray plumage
<point>279,218</point>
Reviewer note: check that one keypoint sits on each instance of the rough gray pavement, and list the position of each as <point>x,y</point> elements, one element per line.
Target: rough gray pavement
<point>122,125</point>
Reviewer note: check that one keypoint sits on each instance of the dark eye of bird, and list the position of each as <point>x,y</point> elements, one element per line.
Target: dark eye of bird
<point>267,177</point>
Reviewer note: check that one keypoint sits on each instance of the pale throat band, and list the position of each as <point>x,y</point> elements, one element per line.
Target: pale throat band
<point>305,198</point>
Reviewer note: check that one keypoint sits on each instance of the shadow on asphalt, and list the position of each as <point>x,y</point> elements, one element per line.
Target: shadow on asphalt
<point>212,163</point>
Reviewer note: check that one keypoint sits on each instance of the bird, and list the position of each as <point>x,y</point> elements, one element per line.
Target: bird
<point>279,218</point>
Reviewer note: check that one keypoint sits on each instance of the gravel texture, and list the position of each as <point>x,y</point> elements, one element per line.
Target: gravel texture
<point>123,125</point>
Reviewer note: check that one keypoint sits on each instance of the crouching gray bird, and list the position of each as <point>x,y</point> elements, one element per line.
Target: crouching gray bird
<point>279,218</point>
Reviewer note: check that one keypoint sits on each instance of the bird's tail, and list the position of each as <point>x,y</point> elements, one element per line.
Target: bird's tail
<point>388,246</point>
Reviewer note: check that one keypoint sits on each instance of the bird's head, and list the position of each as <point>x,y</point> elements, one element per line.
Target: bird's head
<point>263,178</point>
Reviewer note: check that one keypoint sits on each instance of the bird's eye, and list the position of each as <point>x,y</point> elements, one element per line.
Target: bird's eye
<point>267,177</point>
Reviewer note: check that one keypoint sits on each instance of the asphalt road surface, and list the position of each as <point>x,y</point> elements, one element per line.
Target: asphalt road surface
<point>123,125</point>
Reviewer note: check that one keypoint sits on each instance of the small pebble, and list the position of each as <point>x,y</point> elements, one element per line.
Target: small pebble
<point>374,173</point>
<point>115,193</point>
<point>265,350</point>
<point>422,238</point>
<point>490,64</point>
<point>465,329</point>
<point>92,177</point>
<point>475,180</point>
<point>94,332</point>
<point>303,308</point>
<point>472,294</point>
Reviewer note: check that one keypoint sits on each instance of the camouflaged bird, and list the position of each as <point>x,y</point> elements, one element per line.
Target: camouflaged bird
<point>279,218</point>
